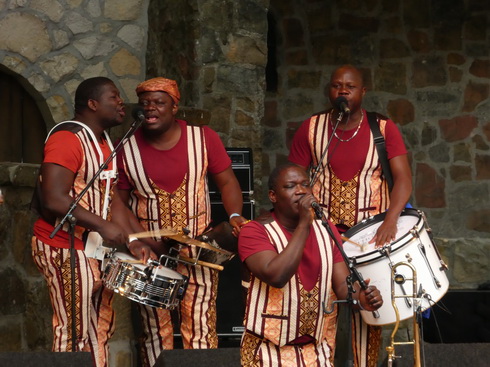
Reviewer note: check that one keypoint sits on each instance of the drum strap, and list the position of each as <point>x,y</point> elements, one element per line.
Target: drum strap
<point>379,141</point>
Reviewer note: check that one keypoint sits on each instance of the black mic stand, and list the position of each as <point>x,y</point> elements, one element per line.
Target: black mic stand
<point>353,277</point>
<point>72,223</point>
<point>325,151</point>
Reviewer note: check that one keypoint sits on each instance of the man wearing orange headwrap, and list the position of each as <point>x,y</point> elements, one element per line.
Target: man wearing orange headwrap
<point>163,170</point>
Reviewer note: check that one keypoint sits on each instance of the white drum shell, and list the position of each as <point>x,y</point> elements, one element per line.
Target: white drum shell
<point>412,239</point>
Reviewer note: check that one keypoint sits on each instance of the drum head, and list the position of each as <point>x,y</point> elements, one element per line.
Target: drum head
<point>128,259</point>
<point>364,232</point>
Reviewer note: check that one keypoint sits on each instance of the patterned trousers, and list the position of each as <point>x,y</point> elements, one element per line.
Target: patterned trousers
<point>197,317</point>
<point>95,319</point>
<point>366,341</point>
<point>257,352</point>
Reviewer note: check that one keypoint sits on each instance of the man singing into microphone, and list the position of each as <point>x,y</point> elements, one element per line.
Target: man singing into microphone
<point>163,178</point>
<point>73,152</point>
<point>294,266</point>
<point>349,183</point>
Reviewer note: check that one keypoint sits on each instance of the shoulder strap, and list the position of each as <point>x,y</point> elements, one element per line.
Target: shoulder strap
<point>379,141</point>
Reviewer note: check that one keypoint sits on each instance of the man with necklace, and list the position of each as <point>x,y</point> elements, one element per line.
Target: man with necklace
<point>348,180</point>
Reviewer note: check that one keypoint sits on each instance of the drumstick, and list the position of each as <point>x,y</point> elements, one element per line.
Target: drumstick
<point>353,242</point>
<point>158,233</point>
<point>128,261</point>
<point>199,262</point>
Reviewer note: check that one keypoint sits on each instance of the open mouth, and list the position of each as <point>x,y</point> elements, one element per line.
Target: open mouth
<point>151,119</point>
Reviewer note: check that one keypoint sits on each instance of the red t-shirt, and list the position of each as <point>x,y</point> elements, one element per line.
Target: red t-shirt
<point>253,238</point>
<point>346,158</point>
<point>167,168</point>
<point>63,148</point>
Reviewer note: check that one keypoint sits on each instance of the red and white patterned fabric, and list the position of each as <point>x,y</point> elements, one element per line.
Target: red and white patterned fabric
<point>277,321</point>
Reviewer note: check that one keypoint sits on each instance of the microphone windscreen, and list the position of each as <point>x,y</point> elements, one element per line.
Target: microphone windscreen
<point>339,101</point>
<point>138,113</point>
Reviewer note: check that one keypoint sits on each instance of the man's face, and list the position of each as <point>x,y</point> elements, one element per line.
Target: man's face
<point>292,183</point>
<point>347,82</point>
<point>160,110</point>
<point>110,106</point>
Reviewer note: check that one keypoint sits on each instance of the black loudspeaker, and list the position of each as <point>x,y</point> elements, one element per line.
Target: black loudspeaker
<point>230,303</point>
<point>241,163</point>
<point>51,359</point>
<point>438,355</point>
<point>460,316</point>
<point>224,357</point>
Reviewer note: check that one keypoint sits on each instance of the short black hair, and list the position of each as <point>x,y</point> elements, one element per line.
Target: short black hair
<point>277,171</point>
<point>89,89</point>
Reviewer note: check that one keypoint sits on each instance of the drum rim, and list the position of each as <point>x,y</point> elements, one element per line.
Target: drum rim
<point>376,254</point>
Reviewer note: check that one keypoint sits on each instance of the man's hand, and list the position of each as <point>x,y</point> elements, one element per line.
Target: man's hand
<point>113,234</point>
<point>370,298</point>
<point>385,234</point>
<point>237,222</point>
<point>141,251</point>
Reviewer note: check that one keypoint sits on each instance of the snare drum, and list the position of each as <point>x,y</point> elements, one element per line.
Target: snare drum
<point>413,245</point>
<point>155,286</point>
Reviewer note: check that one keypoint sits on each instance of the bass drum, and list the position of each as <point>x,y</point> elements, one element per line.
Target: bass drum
<point>414,245</point>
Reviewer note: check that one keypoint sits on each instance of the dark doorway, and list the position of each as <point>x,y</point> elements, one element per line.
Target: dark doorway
<point>22,126</point>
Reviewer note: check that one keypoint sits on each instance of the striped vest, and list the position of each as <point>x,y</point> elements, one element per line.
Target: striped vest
<point>97,198</point>
<point>349,202</point>
<point>188,206</point>
<point>282,315</point>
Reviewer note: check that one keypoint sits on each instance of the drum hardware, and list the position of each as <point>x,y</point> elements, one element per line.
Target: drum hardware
<point>397,278</point>
<point>424,255</point>
<point>443,266</point>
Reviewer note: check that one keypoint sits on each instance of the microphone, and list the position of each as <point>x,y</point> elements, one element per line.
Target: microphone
<point>341,104</point>
<point>318,209</point>
<point>138,114</point>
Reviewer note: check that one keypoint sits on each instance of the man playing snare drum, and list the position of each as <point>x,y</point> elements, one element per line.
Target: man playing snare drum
<point>349,182</point>
<point>163,177</point>
<point>74,151</point>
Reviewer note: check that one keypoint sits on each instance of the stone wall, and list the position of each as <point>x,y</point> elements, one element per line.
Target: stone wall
<point>217,51</point>
<point>427,66</point>
<point>52,45</point>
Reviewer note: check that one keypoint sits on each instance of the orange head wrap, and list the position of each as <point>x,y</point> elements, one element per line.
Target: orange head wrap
<point>160,85</point>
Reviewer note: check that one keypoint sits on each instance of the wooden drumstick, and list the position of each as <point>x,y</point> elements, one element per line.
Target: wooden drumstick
<point>202,263</point>
<point>158,233</point>
<point>128,261</point>
<point>346,239</point>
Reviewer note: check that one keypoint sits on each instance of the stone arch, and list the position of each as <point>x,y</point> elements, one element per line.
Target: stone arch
<point>23,126</point>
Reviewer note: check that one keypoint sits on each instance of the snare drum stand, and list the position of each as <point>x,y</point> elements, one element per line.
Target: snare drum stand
<point>354,276</point>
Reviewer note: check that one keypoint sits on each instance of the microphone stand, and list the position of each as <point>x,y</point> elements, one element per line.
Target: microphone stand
<point>325,151</point>
<point>353,277</point>
<point>72,220</point>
